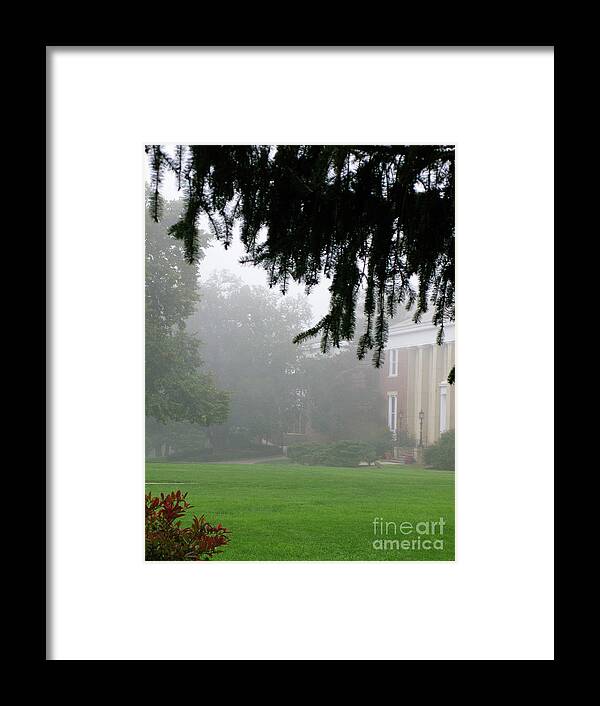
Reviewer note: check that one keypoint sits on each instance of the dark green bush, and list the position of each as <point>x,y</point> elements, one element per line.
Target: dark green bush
<point>382,443</point>
<point>256,451</point>
<point>441,454</point>
<point>338,453</point>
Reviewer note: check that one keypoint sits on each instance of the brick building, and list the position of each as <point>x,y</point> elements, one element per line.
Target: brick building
<point>419,402</point>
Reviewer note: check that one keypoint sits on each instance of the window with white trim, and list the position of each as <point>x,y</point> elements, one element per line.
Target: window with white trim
<point>393,372</point>
<point>392,411</point>
<point>443,406</point>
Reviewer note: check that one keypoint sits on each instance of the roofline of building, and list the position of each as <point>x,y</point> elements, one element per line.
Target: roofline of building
<point>425,326</point>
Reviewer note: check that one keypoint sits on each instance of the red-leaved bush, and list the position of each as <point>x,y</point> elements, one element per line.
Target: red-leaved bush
<point>167,540</point>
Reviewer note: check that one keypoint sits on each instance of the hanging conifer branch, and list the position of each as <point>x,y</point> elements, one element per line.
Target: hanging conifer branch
<point>156,176</point>
<point>368,216</point>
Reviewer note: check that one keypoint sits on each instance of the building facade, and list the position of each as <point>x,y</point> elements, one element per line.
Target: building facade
<point>418,400</point>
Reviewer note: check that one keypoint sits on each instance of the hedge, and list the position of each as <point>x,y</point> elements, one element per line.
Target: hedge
<point>338,453</point>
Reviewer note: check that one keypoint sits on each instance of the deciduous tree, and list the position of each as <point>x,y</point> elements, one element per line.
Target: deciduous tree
<point>176,388</point>
<point>247,334</point>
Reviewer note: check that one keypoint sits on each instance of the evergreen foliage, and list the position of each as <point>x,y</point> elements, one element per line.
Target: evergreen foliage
<point>371,217</point>
<point>441,454</point>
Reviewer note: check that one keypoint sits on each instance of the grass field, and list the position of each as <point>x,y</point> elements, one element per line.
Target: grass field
<point>285,512</point>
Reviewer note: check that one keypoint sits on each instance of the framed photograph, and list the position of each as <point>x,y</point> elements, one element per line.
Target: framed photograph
<point>300,352</point>
<point>299,297</point>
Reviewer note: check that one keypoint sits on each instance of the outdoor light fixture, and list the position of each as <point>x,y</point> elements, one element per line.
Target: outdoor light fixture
<point>421,417</point>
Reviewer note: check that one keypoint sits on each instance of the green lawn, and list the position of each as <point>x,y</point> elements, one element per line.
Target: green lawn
<point>287,512</point>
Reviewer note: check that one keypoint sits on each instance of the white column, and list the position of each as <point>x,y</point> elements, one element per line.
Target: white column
<point>418,391</point>
<point>431,429</point>
<point>443,406</point>
<point>411,357</point>
<point>450,405</point>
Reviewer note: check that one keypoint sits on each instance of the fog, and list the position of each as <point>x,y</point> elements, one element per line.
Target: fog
<point>217,259</point>
<point>225,380</point>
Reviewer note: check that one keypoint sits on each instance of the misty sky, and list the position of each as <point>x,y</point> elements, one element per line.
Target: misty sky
<point>217,258</point>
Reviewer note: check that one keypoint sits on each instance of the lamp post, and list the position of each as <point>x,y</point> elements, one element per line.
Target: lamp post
<point>421,417</point>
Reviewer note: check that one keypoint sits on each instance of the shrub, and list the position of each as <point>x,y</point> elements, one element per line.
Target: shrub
<point>383,442</point>
<point>167,540</point>
<point>441,454</point>
<point>404,439</point>
<point>338,453</point>
<point>300,451</point>
<point>255,451</point>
